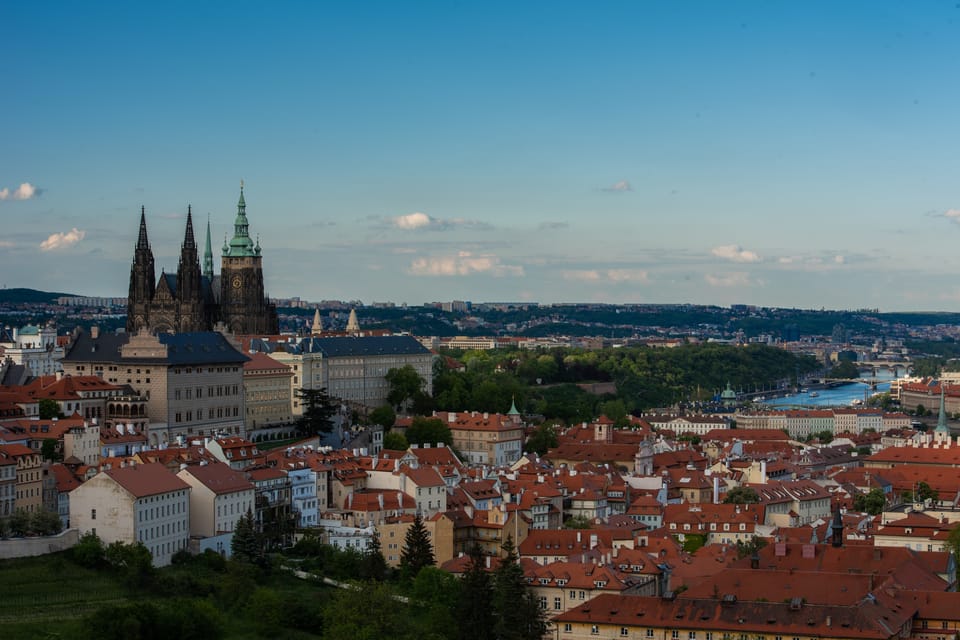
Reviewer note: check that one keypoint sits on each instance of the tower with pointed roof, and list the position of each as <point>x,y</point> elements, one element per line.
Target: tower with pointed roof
<point>317,327</point>
<point>353,325</point>
<point>244,307</point>
<point>142,280</point>
<point>208,256</point>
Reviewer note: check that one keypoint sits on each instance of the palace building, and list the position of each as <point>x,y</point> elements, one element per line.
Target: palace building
<point>194,299</point>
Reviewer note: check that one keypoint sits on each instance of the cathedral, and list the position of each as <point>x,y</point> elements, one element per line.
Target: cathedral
<point>194,299</point>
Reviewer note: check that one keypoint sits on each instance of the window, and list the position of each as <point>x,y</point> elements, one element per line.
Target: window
<point>649,633</point>
<point>543,602</point>
<point>567,627</point>
<point>595,630</point>
<point>93,514</point>
<point>624,631</point>
<point>674,634</point>
<point>557,604</point>
<point>692,635</point>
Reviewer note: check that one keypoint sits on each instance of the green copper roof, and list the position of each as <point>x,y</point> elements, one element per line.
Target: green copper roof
<point>208,255</point>
<point>240,245</point>
<point>942,418</point>
<point>513,408</point>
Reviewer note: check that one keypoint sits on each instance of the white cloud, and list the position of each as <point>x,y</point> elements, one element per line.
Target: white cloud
<point>735,253</point>
<point>952,214</point>
<point>608,275</point>
<point>62,240</point>
<point>418,220</point>
<point>839,260</point>
<point>24,192</point>
<point>735,279</point>
<point>620,186</point>
<point>6,244</point>
<point>412,221</point>
<point>552,226</point>
<point>463,264</point>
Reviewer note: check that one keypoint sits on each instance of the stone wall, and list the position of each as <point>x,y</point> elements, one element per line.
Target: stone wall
<point>25,547</point>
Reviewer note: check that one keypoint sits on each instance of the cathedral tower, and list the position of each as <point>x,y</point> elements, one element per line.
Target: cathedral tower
<point>142,281</point>
<point>243,305</point>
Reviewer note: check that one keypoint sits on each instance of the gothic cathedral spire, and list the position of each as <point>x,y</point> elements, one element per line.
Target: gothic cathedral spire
<point>208,256</point>
<point>142,280</point>
<point>241,245</point>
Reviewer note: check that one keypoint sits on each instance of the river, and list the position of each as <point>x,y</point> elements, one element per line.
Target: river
<point>842,396</point>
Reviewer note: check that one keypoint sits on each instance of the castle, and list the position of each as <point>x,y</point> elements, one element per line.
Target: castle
<point>194,299</point>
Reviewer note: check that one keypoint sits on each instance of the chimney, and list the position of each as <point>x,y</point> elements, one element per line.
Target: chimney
<point>452,416</point>
<point>94,332</point>
<point>716,489</point>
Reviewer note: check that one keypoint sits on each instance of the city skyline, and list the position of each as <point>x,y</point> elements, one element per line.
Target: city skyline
<point>777,154</point>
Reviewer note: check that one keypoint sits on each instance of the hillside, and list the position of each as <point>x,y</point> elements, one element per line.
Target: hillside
<point>29,296</point>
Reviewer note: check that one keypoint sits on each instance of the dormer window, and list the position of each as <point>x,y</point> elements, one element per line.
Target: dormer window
<point>600,584</point>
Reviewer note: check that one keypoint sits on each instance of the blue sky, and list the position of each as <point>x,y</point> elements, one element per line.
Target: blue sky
<point>774,153</point>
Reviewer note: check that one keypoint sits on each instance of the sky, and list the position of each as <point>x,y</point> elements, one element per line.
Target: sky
<point>794,154</point>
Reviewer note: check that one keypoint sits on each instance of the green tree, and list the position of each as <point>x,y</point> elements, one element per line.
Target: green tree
<point>434,597</point>
<point>846,370</point>
<point>49,450</point>
<point>417,551</point>
<point>318,412</point>
<point>395,441</point>
<point>475,605</point>
<point>245,546</point>
<point>45,523</point>
<point>517,614</point>
<point>89,550</point>
<point>132,561</point>
<point>750,547</point>
<point>577,522</point>
<point>405,383</point>
<point>742,495</point>
<point>872,502</point>
<point>49,409</point>
<point>368,612</point>
<point>374,565</point>
<point>543,438</point>
<point>926,492</point>
<point>428,431</point>
<point>953,540</point>
<point>20,522</point>
<point>384,416</point>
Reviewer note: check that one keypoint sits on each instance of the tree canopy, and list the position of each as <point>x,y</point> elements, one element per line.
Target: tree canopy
<point>318,411</point>
<point>428,431</point>
<point>417,551</point>
<point>742,495</point>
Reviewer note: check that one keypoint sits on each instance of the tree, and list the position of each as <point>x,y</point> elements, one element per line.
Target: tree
<point>49,409</point>
<point>871,502</point>
<point>926,492</point>
<point>517,614</point>
<point>49,450</point>
<point>20,522</point>
<point>318,412</point>
<point>428,430</point>
<point>133,561</point>
<point>45,523</point>
<point>417,551</point>
<point>434,597</point>
<point>742,495</point>
<point>374,565</point>
<point>953,540</point>
<point>475,606</point>
<point>750,547</point>
<point>368,612</point>
<point>543,438</point>
<point>384,416</point>
<point>577,522</point>
<point>89,550</point>
<point>404,383</point>
<point>245,545</point>
<point>395,442</point>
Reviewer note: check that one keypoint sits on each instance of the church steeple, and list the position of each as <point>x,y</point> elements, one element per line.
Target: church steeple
<point>942,417</point>
<point>188,271</point>
<point>208,255</point>
<point>188,239</point>
<point>241,245</point>
<point>317,327</point>
<point>142,242</point>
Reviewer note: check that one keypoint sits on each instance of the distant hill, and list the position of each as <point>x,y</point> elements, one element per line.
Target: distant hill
<point>28,296</point>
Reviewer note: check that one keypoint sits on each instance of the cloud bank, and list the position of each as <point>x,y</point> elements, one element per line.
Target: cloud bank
<point>24,192</point>
<point>735,253</point>
<point>421,221</point>
<point>58,241</point>
<point>464,263</point>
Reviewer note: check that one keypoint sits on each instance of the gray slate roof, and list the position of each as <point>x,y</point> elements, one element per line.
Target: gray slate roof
<point>202,347</point>
<point>345,346</point>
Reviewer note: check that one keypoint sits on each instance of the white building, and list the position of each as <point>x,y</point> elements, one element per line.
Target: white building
<point>138,503</point>
<point>219,497</point>
<point>33,347</point>
<point>303,484</point>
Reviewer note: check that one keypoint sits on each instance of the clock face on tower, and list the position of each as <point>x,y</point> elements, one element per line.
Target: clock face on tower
<point>236,282</point>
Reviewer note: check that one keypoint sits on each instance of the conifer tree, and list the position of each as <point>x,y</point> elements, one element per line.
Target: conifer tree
<point>417,550</point>
<point>374,564</point>
<point>475,608</point>
<point>516,612</point>
<point>245,545</point>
